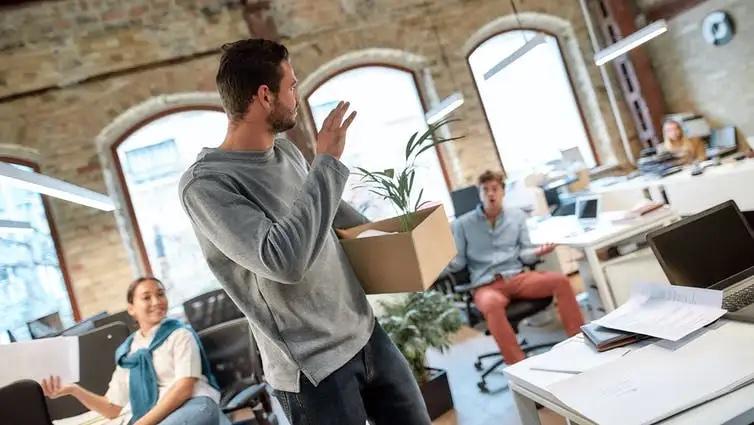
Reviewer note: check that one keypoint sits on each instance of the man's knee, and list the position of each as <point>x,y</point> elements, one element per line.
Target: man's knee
<point>490,301</point>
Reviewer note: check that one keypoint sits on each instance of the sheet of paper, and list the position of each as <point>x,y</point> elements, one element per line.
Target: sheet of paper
<point>663,311</point>
<point>371,232</point>
<point>574,356</point>
<point>39,359</point>
<point>660,380</point>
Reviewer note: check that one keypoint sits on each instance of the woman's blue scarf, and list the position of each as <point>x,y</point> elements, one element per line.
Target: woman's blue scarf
<point>142,379</point>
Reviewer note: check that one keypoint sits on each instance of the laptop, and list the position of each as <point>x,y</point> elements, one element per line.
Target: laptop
<point>712,249</point>
<point>587,210</point>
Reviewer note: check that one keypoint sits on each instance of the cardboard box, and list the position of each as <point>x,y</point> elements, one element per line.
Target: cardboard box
<point>401,262</point>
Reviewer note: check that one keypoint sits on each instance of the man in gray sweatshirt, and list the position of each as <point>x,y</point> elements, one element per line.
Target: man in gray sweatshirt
<point>265,220</point>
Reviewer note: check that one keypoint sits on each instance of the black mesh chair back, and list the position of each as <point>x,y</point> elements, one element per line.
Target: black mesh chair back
<point>23,402</point>
<point>121,316</point>
<point>232,353</point>
<point>96,366</point>
<point>210,309</point>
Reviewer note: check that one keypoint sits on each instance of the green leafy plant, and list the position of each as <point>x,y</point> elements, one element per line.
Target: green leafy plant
<point>417,322</point>
<point>398,186</point>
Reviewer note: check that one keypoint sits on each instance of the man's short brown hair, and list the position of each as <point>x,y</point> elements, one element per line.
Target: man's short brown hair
<point>489,176</point>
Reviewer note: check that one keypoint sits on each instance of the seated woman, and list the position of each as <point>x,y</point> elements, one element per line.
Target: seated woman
<point>161,369</point>
<point>687,150</point>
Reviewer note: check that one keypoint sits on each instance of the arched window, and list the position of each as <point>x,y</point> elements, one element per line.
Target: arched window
<point>33,280</point>
<point>390,110</point>
<point>529,104</point>
<point>149,160</point>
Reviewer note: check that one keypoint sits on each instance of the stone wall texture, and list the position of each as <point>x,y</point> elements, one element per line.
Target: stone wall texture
<point>69,68</point>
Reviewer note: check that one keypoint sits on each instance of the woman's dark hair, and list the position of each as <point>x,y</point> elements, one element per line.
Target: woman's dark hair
<point>135,284</point>
<point>245,65</point>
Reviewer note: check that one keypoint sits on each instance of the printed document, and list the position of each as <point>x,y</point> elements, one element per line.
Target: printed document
<point>39,359</point>
<point>666,311</point>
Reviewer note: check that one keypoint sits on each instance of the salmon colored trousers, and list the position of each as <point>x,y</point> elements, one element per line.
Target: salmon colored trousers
<point>493,299</point>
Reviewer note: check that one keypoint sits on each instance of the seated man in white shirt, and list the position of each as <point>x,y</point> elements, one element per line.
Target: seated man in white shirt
<point>492,242</point>
<point>161,372</point>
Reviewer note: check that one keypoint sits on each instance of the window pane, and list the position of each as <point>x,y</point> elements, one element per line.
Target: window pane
<point>31,282</point>
<point>153,159</point>
<point>529,104</point>
<point>389,112</point>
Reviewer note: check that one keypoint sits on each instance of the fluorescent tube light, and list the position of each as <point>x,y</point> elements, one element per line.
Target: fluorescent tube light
<point>631,42</point>
<point>444,108</point>
<point>526,48</point>
<point>14,225</point>
<point>46,185</point>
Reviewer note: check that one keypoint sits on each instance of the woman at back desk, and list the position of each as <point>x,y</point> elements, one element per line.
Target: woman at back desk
<point>675,142</point>
<point>161,369</point>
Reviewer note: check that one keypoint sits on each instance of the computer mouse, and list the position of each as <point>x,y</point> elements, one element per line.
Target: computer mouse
<point>697,170</point>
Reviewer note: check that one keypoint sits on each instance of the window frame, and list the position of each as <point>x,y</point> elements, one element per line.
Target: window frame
<point>138,242</point>
<point>476,45</point>
<point>419,90</point>
<point>53,234</point>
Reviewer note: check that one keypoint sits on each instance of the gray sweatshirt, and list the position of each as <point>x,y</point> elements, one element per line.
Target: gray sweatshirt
<point>265,223</point>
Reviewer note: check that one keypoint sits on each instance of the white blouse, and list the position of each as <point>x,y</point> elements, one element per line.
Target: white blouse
<point>178,357</point>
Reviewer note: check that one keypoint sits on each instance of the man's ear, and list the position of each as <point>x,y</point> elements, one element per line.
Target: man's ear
<point>265,97</point>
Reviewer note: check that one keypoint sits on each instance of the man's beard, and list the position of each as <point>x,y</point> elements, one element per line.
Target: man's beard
<point>281,120</point>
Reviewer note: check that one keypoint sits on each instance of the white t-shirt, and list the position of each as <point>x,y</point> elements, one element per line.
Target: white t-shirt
<point>178,357</point>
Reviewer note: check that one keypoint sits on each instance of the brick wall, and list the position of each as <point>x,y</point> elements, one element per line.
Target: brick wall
<point>69,68</point>
<point>717,82</point>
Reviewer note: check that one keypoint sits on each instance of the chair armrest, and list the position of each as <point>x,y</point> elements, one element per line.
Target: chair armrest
<point>244,397</point>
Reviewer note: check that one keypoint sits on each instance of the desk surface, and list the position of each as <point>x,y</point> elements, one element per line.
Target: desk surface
<point>566,230</point>
<point>647,181</point>
<point>736,407</point>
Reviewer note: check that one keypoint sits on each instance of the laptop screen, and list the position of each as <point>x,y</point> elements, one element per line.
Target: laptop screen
<point>587,208</point>
<point>706,248</point>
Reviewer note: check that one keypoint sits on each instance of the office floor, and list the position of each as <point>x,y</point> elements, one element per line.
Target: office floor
<point>473,407</point>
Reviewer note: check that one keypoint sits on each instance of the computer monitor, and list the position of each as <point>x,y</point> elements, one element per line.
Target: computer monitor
<point>465,200</point>
<point>706,249</point>
<point>45,326</point>
<point>723,138</point>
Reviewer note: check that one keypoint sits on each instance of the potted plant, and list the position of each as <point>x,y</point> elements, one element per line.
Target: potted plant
<point>418,243</point>
<point>397,186</point>
<point>415,323</point>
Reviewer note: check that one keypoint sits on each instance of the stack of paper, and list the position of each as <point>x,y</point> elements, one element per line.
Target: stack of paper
<point>39,359</point>
<point>667,312</point>
<point>662,379</point>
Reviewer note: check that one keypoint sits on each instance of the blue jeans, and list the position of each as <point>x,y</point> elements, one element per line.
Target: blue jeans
<point>376,384</point>
<point>197,411</point>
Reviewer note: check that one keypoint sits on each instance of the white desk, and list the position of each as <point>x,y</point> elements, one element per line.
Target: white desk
<point>567,231</point>
<point>689,194</point>
<point>530,386</point>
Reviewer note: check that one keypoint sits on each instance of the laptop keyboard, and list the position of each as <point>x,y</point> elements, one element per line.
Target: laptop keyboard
<point>739,299</point>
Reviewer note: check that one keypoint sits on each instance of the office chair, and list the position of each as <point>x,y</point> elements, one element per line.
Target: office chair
<point>517,311</point>
<point>235,362</point>
<point>96,366</point>
<point>121,316</point>
<point>23,402</point>
<point>209,309</point>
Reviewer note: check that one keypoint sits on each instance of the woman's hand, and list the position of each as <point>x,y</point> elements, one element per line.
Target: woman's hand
<point>53,389</point>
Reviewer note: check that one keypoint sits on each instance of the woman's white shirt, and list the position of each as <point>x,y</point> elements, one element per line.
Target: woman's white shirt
<point>178,357</point>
